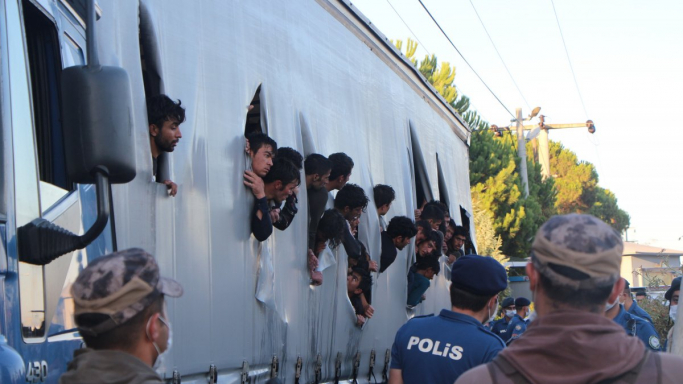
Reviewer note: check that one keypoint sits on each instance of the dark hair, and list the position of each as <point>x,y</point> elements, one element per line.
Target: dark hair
<point>426,227</point>
<point>161,108</point>
<point>428,262</point>
<point>465,300</point>
<point>459,230</point>
<point>124,336</point>
<point>641,293</point>
<point>284,171</point>
<point>351,196</point>
<point>432,212</point>
<point>331,227</point>
<point>292,155</point>
<point>433,236</point>
<point>365,278</point>
<point>436,203</point>
<point>576,298</point>
<point>342,165</point>
<point>258,140</point>
<point>317,164</point>
<point>384,194</point>
<point>519,308</point>
<point>401,226</point>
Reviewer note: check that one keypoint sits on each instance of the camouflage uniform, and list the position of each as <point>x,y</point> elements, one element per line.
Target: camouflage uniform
<point>120,286</point>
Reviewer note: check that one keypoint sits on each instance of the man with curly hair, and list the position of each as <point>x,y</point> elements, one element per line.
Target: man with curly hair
<point>164,117</point>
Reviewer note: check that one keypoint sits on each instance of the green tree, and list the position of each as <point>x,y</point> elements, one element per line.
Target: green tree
<point>578,190</point>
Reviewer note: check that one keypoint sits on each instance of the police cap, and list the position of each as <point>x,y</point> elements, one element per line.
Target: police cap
<point>479,275</point>
<point>522,302</point>
<point>675,286</point>
<point>509,301</point>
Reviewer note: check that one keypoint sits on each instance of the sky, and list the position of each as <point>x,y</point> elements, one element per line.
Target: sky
<point>627,58</point>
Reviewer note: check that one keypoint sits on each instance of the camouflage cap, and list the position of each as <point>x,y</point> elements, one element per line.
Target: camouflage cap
<point>577,250</point>
<point>120,285</point>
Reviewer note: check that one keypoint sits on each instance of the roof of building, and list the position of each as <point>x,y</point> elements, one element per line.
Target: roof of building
<point>635,249</point>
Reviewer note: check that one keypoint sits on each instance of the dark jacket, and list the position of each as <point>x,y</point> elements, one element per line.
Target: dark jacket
<point>264,227</point>
<point>108,367</point>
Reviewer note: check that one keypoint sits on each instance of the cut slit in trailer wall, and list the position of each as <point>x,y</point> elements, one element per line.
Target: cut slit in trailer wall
<point>328,83</point>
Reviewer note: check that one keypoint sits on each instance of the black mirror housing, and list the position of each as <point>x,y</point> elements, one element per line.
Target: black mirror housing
<point>98,123</point>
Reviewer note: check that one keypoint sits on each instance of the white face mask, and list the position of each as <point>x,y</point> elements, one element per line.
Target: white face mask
<point>492,314</point>
<point>159,363</point>
<point>510,313</point>
<point>609,306</point>
<point>673,310</point>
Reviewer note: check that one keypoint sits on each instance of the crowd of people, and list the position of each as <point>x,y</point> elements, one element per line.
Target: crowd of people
<point>273,176</point>
<point>585,327</point>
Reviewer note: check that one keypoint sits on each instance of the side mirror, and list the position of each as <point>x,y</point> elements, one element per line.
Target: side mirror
<point>99,145</point>
<point>98,123</point>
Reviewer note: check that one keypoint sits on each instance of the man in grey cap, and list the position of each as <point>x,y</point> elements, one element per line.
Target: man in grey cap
<point>574,272</point>
<point>121,315</point>
<point>438,349</point>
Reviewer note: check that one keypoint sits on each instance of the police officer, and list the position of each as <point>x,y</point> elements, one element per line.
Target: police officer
<point>500,326</point>
<point>438,349</point>
<point>634,325</point>
<point>517,325</point>
<point>631,305</point>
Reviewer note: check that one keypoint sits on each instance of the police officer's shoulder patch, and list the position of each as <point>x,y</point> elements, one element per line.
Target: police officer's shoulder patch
<point>654,342</point>
<point>518,328</point>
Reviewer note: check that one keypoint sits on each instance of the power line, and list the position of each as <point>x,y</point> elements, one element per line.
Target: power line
<point>406,24</point>
<point>499,56</point>
<point>465,60</point>
<point>569,60</point>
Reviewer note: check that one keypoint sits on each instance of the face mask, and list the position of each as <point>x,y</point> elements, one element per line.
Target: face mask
<point>510,313</point>
<point>673,310</point>
<point>159,363</point>
<point>492,314</point>
<point>609,306</point>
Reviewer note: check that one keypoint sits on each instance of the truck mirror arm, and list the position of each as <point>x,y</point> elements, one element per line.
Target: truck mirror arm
<point>41,241</point>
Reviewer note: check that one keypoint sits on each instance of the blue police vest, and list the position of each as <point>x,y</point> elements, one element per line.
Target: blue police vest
<point>438,349</point>
<point>639,327</point>
<point>500,328</point>
<point>516,327</point>
<point>640,312</point>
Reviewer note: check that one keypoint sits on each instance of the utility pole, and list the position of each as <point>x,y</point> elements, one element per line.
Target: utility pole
<point>521,149</point>
<point>543,150</point>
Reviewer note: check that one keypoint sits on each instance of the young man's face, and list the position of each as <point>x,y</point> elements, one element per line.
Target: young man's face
<point>168,136</point>
<point>262,160</point>
<point>674,297</point>
<point>282,192</point>
<point>352,283</point>
<point>435,224</point>
<point>352,214</point>
<point>458,241</point>
<point>401,242</point>
<point>449,233</point>
<point>321,181</point>
<point>343,180</point>
<point>383,209</point>
<point>429,273</point>
<point>420,235</point>
<point>425,248</point>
